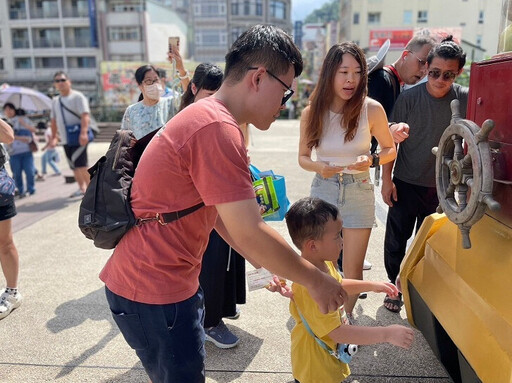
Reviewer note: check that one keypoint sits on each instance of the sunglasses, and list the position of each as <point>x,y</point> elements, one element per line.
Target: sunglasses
<point>287,94</point>
<point>61,80</point>
<point>436,73</point>
<point>422,62</point>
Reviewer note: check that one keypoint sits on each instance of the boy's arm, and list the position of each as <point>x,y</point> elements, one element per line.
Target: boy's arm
<point>264,245</point>
<point>397,335</point>
<point>355,286</point>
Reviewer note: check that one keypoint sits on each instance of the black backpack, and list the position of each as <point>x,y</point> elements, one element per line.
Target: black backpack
<point>105,211</point>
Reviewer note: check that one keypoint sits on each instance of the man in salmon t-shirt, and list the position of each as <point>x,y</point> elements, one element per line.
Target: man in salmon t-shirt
<point>199,156</point>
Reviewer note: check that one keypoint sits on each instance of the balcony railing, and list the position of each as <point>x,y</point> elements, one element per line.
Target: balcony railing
<point>47,43</point>
<point>43,13</point>
<point>17,14</point>
<point>20,43</point>
<point>78,43</point>
<point>75,12</point>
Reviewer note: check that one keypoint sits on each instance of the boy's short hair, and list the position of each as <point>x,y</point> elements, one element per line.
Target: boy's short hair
<point>307,218</point>
<point>264,45</point>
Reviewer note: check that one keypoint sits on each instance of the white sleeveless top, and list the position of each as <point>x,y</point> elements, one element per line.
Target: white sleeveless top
<point>332,147</point>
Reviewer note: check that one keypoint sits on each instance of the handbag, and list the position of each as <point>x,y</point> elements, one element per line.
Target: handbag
<point>7,187</point>
<point>73,131</point>
<point>33,144</point>
<point>273,200</point>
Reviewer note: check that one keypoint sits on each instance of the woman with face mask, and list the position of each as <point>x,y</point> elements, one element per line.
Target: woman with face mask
<point>152,111</point>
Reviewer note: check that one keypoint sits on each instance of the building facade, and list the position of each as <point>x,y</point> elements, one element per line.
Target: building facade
<point>40,37</point>
<point>370,22</point>
<point>217,24</point>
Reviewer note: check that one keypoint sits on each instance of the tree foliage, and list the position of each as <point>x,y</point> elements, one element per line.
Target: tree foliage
<point>330,11</point>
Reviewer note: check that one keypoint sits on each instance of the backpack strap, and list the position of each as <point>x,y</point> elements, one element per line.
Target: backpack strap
<point>165,218</point>
<point>320,342</point>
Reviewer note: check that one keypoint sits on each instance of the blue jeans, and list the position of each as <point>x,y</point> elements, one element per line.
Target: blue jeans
<point>23,163</point>
<point>49,157</point>
<point>168,339</point>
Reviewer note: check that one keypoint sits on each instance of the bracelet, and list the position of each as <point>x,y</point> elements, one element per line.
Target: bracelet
<point>186,75</point>
<point>391,123</point>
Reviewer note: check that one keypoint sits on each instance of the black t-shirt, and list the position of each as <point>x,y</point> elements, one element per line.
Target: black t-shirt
<point>384,87</point>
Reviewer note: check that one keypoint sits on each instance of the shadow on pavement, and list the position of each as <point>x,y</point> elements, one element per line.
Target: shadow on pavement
<point>75,312</point>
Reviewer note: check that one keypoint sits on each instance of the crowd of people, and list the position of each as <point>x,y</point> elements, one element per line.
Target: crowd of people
<point>159,271</point>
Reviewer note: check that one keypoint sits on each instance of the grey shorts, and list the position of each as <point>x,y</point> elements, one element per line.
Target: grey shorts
<point>353,195</point>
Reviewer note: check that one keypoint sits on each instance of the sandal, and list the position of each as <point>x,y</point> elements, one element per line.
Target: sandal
<point>396,303</point>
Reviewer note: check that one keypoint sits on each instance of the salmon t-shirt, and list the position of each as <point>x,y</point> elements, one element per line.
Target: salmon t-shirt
<point>198,156</point>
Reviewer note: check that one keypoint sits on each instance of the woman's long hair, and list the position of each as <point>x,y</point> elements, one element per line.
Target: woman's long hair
<point>323,94</point>
<point>206,76</point>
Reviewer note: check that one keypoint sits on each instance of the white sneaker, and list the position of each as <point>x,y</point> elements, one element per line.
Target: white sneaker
<point>9,302</point>
<point>367,265</point>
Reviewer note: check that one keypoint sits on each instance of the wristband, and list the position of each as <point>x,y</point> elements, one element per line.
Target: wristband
<point>186,75</point>
<point>391,123</point>
<point>375,161</point>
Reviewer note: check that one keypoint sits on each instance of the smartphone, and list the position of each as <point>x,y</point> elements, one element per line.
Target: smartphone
<point>174,41</point>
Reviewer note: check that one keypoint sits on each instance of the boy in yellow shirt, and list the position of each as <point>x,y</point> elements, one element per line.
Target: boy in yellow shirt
<point>315,228</point>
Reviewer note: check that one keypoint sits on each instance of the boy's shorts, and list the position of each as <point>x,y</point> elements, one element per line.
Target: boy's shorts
<point>76,155</point>
<point>353,195</point>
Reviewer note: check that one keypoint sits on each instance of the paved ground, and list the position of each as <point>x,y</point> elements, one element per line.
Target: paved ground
<point>64,332</point>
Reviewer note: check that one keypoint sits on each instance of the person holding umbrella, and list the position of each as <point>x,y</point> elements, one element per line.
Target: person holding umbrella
<point>22,160</point>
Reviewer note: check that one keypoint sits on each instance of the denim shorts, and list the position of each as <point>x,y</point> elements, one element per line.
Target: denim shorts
<point>352,194</point>
<point>168,339</point>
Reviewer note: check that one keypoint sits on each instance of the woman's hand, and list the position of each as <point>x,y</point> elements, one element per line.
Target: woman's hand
<point>327,171</point>
<point>362,163</point>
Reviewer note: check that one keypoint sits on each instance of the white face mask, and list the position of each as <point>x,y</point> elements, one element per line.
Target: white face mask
<point>153,91</point>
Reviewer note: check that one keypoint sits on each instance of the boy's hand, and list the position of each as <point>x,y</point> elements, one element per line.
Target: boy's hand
<point>279,285</point>
<point>400,336</point>
<point>385,287</point>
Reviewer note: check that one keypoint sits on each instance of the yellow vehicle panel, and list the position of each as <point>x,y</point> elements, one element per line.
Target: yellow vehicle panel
<point>467,290</point>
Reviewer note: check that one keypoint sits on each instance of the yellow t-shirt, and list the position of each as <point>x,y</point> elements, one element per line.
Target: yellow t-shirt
<point>310,362</point>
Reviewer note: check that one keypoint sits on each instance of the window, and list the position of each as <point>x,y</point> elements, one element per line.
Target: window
<point>124,34</point>
<point>247,8</point>
<point>46,38</point>
<point>127,6</point>
<point>235,32</point>
<point>82,62</point>
<point>481,17</point>
<point>422,16</point>
<point>22,63</point>
<point>373,17</point>
<point>259,7</point>
<point>407,17</point>
<point>234,8</point>
<point>355,20</point>
<point>49,62</point>
<point>277,9</point>
<point>209,9</point>
<point>1,64</point>
<point>211,37</point>
<point>479,40</point>
<point>17,10</point>
<point>19,38</point>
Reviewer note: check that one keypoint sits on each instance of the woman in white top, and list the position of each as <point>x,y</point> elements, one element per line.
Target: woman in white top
<point>338,124</point>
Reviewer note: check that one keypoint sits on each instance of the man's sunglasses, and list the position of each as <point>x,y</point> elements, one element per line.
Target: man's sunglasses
<point>436,73</point>
<point>422,62</point>
<point>61,80</point>
<point>289,91</point>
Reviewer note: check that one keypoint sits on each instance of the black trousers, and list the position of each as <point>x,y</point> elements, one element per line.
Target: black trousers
<point>223,288</point>
<point>413,205</point>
